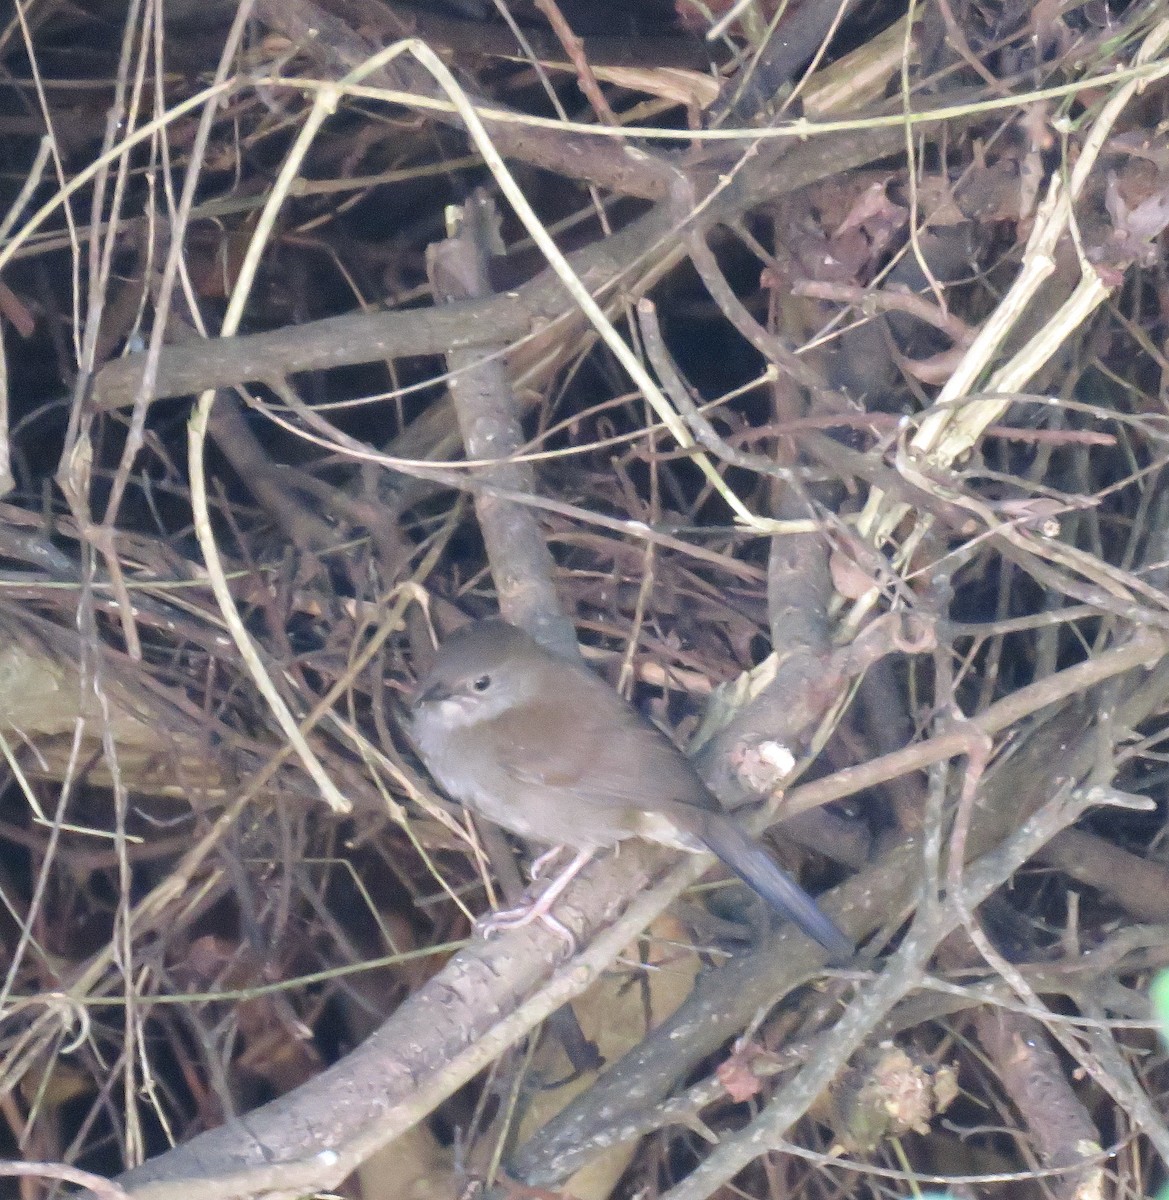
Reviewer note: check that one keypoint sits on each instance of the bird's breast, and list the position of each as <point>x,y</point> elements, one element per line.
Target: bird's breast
<point>467,762</point>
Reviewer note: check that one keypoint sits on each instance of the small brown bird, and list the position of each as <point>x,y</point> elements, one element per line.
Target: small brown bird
<point>545,748</point>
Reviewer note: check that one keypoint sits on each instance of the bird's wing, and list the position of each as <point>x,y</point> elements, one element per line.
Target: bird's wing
<point>606,756</point>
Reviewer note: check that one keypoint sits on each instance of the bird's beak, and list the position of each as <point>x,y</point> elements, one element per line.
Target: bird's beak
<point>431,695</point>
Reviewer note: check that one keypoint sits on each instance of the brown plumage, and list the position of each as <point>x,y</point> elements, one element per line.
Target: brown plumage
<point>545,748</point>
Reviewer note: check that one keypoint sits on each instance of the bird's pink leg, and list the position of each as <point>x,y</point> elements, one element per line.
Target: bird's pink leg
<point>541,863</point>
<point>538,909</point>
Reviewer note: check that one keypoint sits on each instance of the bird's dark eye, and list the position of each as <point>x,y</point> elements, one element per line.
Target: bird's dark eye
<point>482,683</point>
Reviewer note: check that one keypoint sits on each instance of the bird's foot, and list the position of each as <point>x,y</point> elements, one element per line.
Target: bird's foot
<point>539,909</point>
<point>505,919</point>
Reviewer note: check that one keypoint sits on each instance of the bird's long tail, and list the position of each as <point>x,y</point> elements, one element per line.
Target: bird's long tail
<point>759,871</point>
